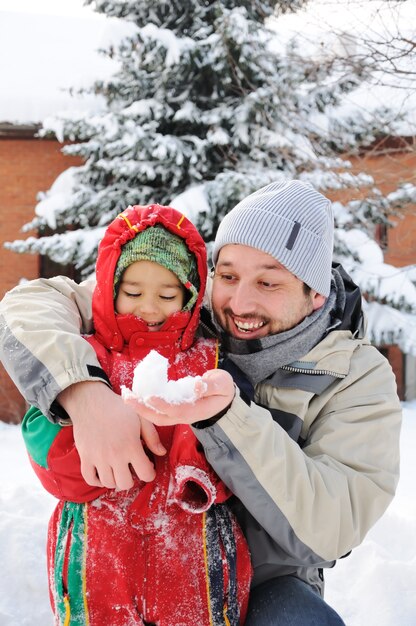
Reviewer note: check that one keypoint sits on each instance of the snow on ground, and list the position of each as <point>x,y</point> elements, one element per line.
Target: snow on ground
<point>374,586</point>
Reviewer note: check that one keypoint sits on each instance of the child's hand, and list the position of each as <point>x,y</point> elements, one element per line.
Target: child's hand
<point>214,392</point>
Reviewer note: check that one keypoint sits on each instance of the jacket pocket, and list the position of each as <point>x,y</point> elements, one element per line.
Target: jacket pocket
<point>69,566</point>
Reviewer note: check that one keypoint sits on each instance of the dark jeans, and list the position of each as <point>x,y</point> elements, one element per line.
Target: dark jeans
<point>288,601</point>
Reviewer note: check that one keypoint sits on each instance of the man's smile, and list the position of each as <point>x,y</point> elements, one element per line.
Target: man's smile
<point>247,327</point>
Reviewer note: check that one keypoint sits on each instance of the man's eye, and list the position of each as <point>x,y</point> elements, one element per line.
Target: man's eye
<point>227,277</point>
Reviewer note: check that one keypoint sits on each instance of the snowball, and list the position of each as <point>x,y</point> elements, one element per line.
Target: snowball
<point>151,379</point>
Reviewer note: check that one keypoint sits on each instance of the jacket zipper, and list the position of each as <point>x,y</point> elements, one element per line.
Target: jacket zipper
<point>65,566</point>
<point>209,331</point>
<point>300,370</point>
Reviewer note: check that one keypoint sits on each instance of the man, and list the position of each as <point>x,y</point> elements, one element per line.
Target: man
<point>307,435</point>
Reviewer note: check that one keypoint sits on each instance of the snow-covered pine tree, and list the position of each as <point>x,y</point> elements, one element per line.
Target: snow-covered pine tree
<point>206,107</point>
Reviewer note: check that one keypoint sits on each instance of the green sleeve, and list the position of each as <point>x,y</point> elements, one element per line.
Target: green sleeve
<point>38,434</point>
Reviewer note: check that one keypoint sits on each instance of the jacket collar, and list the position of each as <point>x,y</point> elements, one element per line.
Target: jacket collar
<point>135,334</point>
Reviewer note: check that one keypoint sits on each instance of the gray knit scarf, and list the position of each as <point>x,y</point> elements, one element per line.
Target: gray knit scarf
<point>260,358</point>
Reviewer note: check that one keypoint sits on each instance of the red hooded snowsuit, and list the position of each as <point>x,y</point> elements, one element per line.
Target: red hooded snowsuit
<point>168,552</point>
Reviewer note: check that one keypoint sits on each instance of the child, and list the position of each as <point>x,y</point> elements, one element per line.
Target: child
<point>168,552</point>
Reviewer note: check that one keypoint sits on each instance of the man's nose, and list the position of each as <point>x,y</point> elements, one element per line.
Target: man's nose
<point>241,298</point>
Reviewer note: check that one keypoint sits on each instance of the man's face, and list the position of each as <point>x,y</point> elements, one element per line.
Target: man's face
<point>254,296</point>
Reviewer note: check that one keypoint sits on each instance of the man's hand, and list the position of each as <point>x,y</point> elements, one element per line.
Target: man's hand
<point>215,392</point>
<point>108,436</point>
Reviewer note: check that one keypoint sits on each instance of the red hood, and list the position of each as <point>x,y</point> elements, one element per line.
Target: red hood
<point>112,330</point>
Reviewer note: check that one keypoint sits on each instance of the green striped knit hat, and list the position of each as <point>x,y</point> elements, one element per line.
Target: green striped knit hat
<point>163,247</point>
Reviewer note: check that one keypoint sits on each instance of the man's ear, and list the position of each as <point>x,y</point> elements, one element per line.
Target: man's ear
<point>318,300</point>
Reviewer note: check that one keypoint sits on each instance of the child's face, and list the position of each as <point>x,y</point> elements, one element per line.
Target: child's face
<point>151,292</point>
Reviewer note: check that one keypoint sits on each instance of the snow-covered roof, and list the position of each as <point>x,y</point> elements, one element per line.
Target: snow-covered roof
<point>42,56</point>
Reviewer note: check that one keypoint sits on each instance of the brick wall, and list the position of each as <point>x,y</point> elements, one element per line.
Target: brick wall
<point>390,165</point>
<point>27,166</point>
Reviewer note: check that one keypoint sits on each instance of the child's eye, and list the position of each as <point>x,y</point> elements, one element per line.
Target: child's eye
<point>132,295</point>
<point>168,297</point>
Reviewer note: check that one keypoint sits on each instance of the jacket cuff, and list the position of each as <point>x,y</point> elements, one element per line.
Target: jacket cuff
<point>214,419</point>
<point>193,489</point>
<point>211,420</point>
<point>57,414</point>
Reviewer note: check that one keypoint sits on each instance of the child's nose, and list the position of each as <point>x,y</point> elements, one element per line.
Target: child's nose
<point>147,306</point>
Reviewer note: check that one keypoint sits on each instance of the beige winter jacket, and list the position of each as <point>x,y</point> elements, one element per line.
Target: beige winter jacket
<point>315,487</point>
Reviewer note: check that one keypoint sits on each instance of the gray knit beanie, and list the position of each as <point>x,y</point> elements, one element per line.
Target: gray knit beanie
<point>290,221</point>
